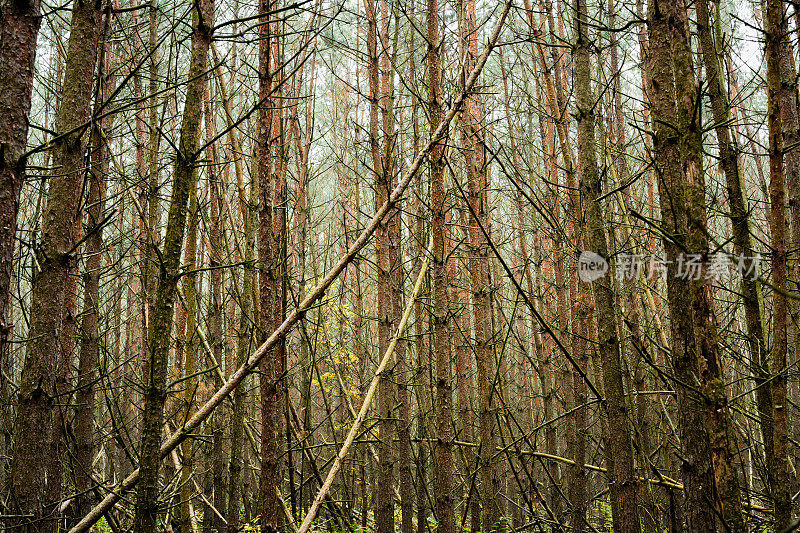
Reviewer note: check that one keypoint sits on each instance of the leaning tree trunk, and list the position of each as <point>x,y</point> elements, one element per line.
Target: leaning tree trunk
<point>161,307</point>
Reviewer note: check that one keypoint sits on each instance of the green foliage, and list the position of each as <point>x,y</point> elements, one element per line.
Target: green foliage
<point>337,334</point>
<point>101,526</point>
<point>357,528</point>
<point>252,527</point>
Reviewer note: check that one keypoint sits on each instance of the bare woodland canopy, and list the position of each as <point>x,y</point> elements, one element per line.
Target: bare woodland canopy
<point>345,265</point>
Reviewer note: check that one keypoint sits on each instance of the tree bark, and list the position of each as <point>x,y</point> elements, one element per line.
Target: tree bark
<point>703,419</point>
<point>243,348</point>
<point>90,346</point>
<point>215,310</point>
<point>190,383</point>
<point>19,28</point>
<point>729,154</point>
<point>268,160</point>
<point>778,463</point>
<point>619,449</point>
<point>441,341</point>
<point>161,307</point>
<point>475,155</point>
<point>39,386</point>
<point>381,163</point>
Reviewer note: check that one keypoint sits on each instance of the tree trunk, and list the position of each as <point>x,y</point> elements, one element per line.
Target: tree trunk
<point>269,256</point>
<point>384,502</point>
<point>50,305</point>
<point>190,382</point>
<point>619,449</point>
<point>422,381</point>
<point>243,349</point>
<point>19,28</point>
<point>475,154</point>
<point>703,419</point>
<point>778,463</point>
<point>215,310</point>
<point>729,153</point>
<point>441,341</point>
<point>90,346</point>
<point>161,307</point>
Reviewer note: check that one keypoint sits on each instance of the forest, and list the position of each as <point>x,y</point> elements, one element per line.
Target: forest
<point>399,266</point>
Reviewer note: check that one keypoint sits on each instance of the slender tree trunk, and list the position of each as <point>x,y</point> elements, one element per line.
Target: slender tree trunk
<point>441,341</point>
<point>244,330</point>
<point>279,240</point>
<point>729,153</point>
<point>581,331</point>
<point>90,346</point>
<point>135,338</point>
<point>384,504</point>
<point>243,349</point>
<point>403,427</point>
<point>161,308</point>
<point>475,154</point>
<point>151,225</point>
<point>547,371</point>
<point>619,449</point>
<point>632,316</point>
<point>190,382</point>
<point>401,459</point>
<point>460,328</point>
<point>778,463</point>
<point>422,382</point>
<point>215,310</point>
<point>791,141</point>
<point>269,278</point>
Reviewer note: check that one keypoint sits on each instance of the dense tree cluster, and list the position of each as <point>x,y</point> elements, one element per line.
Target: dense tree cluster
<point>399,266</point>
